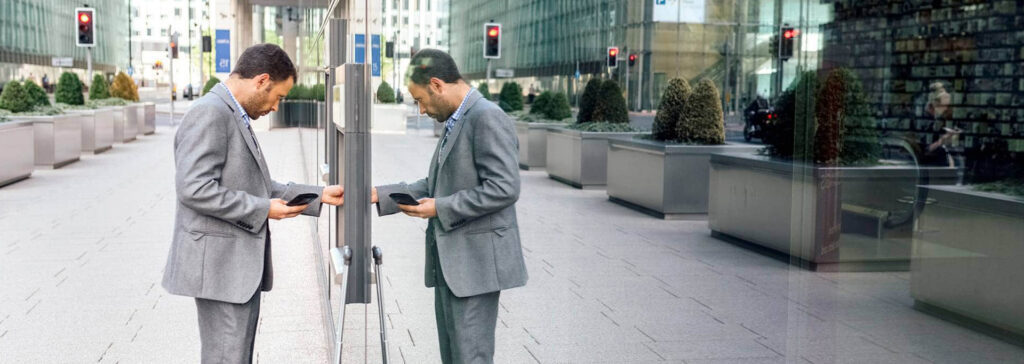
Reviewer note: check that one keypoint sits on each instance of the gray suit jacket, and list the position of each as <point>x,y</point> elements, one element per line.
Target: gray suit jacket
<point>221,238</point>
<point>475,187</point>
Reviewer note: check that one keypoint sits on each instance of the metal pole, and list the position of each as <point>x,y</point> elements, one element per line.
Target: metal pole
<point>88,62</point>
<point>378,258</point>
<point>639,82</point>
<point>628,71</point>
<point>488,73</point>
<point>170,73</point>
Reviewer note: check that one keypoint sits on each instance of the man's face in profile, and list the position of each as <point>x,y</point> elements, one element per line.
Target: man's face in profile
<point>430,102</point>
<point>267,96</point>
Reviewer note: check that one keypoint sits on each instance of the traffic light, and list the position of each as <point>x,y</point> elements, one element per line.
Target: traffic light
<point>86,27</point>
<point>613,57</point>
<point>174,46</point>
<point>786,41</point>
<point>492,40</point>
<point>632,60</point>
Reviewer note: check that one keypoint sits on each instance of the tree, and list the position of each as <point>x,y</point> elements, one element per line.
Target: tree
<point>611,106</point>
<point>69,90</point>
<point>670,110</point>
<point>99,89</point>
<point>791,133</point>
<point>36,94</point>
<point>558,108</point>
<point>124,88</point>
<point>213,81</point>
<point>589,100</point>
<point>541,104</point>
<point>15,98</point>
<point>703,121</point>
<point>485,91</point>
<point>385,94</point>
<point>512,96</point>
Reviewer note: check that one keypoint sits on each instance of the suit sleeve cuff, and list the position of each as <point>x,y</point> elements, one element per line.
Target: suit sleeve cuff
<point>385,205</point>
<point>254,222</point>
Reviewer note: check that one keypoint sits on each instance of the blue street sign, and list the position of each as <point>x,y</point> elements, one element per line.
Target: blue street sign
<point>375,58</point>
<point>222,51</point>
<point>360,48</point>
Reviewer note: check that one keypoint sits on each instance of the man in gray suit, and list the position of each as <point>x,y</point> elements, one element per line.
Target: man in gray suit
<point>220,253</point>
<point>469,197</point>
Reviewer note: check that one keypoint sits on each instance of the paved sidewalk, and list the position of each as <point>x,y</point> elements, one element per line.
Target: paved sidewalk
<point>82,253</point>
<point>82,249</point>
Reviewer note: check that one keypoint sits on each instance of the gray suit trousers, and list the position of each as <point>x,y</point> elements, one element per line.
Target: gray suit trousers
<point>465,325</point>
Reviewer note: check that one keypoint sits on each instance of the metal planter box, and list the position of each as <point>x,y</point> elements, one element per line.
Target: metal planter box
<point>97,129</point>
<point>18,157</point>
<point>57,138</point>
<point>579,159</point>
<point>126,124</point>
<point>668,181</point>
<point>830,218</point>
<point>533,144</point>
<point>967,256</point>
<point>146,118</point>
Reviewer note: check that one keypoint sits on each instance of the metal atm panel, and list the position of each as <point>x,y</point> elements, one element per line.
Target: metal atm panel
<point>351,109</point>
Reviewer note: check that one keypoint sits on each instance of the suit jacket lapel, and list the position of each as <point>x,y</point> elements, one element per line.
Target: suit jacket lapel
<point>249,141</point>
<point>454,134</point>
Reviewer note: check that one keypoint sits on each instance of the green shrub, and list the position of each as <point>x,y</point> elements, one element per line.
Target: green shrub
<point>213,81</point>
<point>124,87</point>
<point>670,111</point>
<point>559,109</point>
<point>99,89</point>
<point>1011,186</point>
<point>110,101</point>
<point>611,106</point>
<point>385,94</point>
<point>318,92</point>
<point>860,143</point>
<point>602,127</point>
<point>541,103</point>
<point>485,91</point>
<point>589,100</point>
<point>512,96</point>
<point>69,89</point>
<point>15,98</point>
<point>298,92</point>
<point>36,94</point>
<point>790,134</point>
<point>703,121</point>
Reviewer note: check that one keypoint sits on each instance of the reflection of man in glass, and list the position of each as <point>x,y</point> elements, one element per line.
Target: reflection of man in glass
<point>942,135</point>
<point>938,103</point>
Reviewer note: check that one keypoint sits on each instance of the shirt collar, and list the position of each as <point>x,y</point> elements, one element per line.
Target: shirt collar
<point>458,112</point>
<point>245,116</point>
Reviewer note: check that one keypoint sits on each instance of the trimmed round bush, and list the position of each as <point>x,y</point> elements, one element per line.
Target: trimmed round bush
<point>512,96</point>
<point>69,90</point>
<point>589,100</point>
<point>36,94</point>
<point>703,121</point>
<point>611,106</point>
<point>541,103</point>
<point>124,87</point>
<point>15,98</point>
<point>790,135</point>
<point>485,90</point>
<point>385,94</point>
<point>558,108</point>
<point>99,89</point>
<point>670,110</point>
<point>213,81</point>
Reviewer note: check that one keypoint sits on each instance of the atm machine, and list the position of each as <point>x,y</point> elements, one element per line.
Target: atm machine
<point>355,262</point>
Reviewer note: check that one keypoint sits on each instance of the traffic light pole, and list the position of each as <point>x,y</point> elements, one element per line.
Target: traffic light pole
<point>88,66</point>
<point>170,64</point>
<point>488,73</point>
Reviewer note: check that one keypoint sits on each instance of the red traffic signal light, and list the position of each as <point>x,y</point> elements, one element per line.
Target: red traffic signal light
<point>791,33</point>
<point>632,59</point>
<point>492,41</point>
<point>86,30</point>
<point>613,57</point>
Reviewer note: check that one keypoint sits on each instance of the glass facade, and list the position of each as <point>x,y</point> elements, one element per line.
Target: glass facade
<point>891,176</point>
<point>34,31</point>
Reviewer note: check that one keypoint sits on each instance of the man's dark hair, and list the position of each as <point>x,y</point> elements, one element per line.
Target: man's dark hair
<point>265,58</point>
<point>429,63</point>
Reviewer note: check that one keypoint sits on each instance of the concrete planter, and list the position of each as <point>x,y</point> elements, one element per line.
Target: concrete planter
<point>18,158</point>
<point>831,218</point>
<point>389,118</point>
<point>533,144</point>
<point>57,138</point>
<point>126,124</point>
<point>579,159</point>
<point>296,113</point>
<point>97,129</point>
<point>668,181</point>
<point>146,118</point>
<point>967,253</point>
